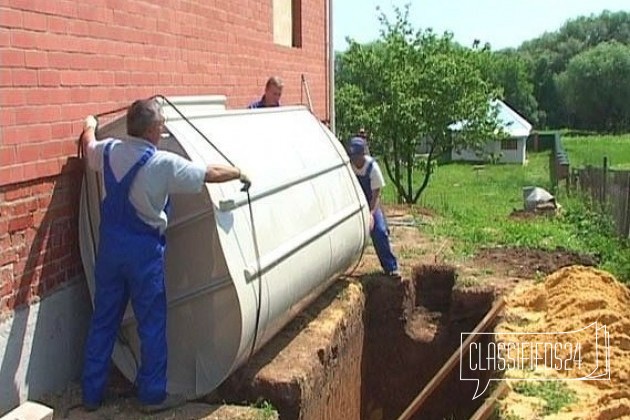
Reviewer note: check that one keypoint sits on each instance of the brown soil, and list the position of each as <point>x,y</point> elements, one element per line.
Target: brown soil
<point>411,357</point>
<point>121,404</point>
<point>528,262</point>
<point>407,342</point>
<point>571,299</point>
<point>405,209</point>
<point>309,370</point>
<point>533,214</point>
<point>501,268</point>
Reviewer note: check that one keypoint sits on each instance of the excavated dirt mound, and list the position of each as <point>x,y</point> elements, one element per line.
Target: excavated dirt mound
<point>573,299</point>
<point>530,262</point>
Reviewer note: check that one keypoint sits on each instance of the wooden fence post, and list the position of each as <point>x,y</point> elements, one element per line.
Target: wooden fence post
<point>604,197</point>
<point>627,215</point>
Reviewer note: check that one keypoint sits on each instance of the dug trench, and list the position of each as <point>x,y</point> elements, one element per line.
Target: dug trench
<point>366,348</point>
<point>404,349</point>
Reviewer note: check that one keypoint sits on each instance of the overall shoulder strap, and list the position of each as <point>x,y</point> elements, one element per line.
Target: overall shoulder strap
<point>130,176</point>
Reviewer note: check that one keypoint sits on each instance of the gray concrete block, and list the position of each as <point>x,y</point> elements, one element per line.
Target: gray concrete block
<point>29,411</point>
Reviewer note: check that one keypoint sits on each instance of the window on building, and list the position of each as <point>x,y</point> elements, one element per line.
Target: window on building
<point>509,144</point>
<point>287,23</point>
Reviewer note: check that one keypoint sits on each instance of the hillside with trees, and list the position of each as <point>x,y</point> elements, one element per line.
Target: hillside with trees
<point>580,74</point>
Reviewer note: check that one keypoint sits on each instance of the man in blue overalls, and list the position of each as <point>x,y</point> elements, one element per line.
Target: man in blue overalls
<point>371,179</point>
<point>138,179</point>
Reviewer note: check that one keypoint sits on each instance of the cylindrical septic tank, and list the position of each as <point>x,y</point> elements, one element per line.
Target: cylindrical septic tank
<point>237,272</point>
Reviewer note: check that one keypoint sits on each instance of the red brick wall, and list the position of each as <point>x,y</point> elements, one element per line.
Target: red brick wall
<point>38,238</point>
<point>62,60</point>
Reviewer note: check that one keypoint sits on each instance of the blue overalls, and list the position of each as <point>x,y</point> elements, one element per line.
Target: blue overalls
<point>260,104</point>
<point>379,233</point>
<point>129,263</point>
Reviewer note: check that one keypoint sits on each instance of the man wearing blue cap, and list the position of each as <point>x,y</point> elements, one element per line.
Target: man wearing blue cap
<point>371,179</point>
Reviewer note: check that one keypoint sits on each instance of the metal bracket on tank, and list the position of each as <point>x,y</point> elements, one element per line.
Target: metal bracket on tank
<point>227,205</point>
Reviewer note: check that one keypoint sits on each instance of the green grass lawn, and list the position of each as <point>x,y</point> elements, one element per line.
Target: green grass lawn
<point>473,208</point>
<point>591,150</point>
<point>475,205</point>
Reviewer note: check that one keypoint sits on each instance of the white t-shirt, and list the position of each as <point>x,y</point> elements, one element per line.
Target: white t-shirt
<point>163,174</point>
<point>377,180</point>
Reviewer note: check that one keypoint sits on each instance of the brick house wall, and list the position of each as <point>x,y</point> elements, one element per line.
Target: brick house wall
<point>62,60</point>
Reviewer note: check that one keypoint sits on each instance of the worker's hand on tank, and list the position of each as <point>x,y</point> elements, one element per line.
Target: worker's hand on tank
<point>90,123</point>
<point>244,178</point>
<point>371,222</point>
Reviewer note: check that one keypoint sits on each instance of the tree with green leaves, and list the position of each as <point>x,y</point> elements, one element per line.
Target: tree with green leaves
<point>507,70</point>
<point>549,55</point>
<point>410,89</point>
<point>596,87</point>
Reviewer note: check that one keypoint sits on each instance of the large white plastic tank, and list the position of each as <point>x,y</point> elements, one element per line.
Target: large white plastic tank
<point>309,223</point>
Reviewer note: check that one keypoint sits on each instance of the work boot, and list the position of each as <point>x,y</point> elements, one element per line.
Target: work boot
<point>171,401</point>
<point>90,407</point>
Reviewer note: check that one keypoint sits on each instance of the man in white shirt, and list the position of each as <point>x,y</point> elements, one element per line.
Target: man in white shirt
<point>138,180</point>
<point>371,179</point>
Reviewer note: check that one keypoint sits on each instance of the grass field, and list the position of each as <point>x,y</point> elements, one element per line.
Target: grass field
<point>473,206</point>
<point>591,150</point>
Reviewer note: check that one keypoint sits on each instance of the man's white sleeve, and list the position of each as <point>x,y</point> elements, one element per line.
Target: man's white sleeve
<point>377,180</point>
<point>94,154</point>
<point>186,176</point>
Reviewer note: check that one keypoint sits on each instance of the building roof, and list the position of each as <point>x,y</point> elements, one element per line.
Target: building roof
<point>512,121</point>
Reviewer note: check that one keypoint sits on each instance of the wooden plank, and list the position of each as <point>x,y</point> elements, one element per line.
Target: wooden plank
<point>487,408</point>
<point>451,362</point>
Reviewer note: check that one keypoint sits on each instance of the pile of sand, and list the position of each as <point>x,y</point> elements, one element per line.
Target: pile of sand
<point>570,300</point>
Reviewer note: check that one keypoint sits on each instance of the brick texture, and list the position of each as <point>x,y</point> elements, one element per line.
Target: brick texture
<point>38,238</point>
<point>62,60</point>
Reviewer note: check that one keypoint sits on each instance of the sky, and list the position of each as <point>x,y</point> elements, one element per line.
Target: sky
<point>502,23</point>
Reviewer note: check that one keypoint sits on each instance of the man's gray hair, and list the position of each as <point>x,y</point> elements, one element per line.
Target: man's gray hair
<point>141,115</point>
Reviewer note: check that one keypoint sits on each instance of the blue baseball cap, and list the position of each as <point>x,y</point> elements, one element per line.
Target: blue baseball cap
<point>357,147</point>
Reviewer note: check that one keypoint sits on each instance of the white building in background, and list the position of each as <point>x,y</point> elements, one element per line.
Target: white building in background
<point>513,149</point>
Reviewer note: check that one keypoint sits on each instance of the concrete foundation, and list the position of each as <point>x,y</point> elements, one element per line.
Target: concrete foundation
<point>29,411</point>
<point>41,346</point>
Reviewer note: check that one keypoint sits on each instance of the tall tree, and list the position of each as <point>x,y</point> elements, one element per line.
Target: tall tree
<point>414,87</point>
<point>596,85</point>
